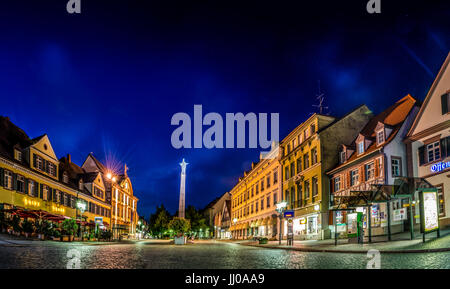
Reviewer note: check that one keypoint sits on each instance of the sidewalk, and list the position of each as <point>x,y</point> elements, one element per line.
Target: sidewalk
<point>399,244</point>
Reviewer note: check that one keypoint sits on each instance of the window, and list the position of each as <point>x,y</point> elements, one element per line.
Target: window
<point>306,188</point>
<point>396,166</point>
<point>337,184</point>
<point>252,192</point>
<point>58,197</point>
<point>268,180</point>
<point>98,192</point>
<point>268,202</point>
<point>313,156</point>
<point>80,185</point>
<point>65,178</point>
<point>361,147</point>
<point>257,189</point>
<point>38,162</point>
<point>441,200</point>
<point>8,180</point>
<point>20,187</point>
<point>380,137</point>
<point>354,177</point>
<point>286,172</point>
<point>445,103</point>
<point>66,200</point>
<point>287,198</point>
<point>31,187</point>
<point>370,171</point>
<point>18,155</point>
<point>256,206</point>
<point>342,157</point>
<point>251,209</point>
<point>315,186</point>
<point>275,198</point>
<point>433,151</point>
<point>262,185</point>
<point>299,193</point>
<point>292,196</point>
<point>306,161</point>
<point>313,128</point>
<point>45,191</point>
<point>292,169</point>
<point>51,169</point>
<point>275,177</point>
<point>299,165</point>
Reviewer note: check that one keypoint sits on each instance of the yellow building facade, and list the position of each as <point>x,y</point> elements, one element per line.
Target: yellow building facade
<point>33,178</point>
<point>307,154</point>
<point>254,198</point>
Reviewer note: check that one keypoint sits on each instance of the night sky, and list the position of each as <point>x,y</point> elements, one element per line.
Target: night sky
<point>109,80</point>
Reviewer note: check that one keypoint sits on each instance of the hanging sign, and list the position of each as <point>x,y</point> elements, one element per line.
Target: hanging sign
<point>440,166</point>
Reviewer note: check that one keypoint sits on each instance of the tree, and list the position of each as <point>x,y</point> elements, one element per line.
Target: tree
<point>197,220</point>
<point>179,225</point>
<point>159,221</point>
<point>69,226</point>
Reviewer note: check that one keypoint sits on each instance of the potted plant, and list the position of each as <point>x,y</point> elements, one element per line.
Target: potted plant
<point>69,228</point>
<point>17,228</point>
<point>179,226</point>
<point>56,235</point>
<point>41,227</point>
<point>263,241</point>
<point>27,227</point>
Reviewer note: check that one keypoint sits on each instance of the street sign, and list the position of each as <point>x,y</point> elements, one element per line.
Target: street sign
<point>288,214</point>
<point>98,220</point>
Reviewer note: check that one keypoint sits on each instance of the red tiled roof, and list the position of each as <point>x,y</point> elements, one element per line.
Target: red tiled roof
<point>393,117</point>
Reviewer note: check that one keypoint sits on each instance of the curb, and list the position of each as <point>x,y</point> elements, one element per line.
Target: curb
<point>351,251</point>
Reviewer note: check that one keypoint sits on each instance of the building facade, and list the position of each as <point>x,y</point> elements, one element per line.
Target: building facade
<point>119,190</point>
<point>222,221</point>
<point>376,156</point>
<point>33,178</point>
<point>254,198</point>
<point>428,141</point>
<point>214,211</point>
<point>308,152</point>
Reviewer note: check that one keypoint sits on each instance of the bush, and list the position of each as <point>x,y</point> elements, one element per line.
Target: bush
<point>263,241</point>
<point>106,235</point>
<point>15,223</point>
<point>179,225</point>
<point>27,226</point>
<point>56,233</point>
<point>69,226</point>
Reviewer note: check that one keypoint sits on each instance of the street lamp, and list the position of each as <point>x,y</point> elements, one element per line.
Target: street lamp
<point>280,209</point>
<point>82,207</point>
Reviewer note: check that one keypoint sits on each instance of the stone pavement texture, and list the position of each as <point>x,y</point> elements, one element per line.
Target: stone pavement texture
<point>400,244</point>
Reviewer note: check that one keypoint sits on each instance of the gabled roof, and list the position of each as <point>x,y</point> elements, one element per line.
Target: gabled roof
<point>393,117</point>
<point>11,136</point>
<point>430,93</point>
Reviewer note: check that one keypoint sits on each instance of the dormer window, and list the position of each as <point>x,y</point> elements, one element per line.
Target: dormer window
<point>65,178</point>
<point>361,147</point>
<point>380,137</point>
<point>342,157</point>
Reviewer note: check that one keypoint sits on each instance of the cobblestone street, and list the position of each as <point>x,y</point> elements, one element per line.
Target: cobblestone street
<point>203,255</point>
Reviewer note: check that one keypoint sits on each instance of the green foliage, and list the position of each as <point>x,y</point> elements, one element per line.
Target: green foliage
<point>159,221</point>
<point>27,226</point>
<point>69,226</point>
<point>106,235</point>
<point>197,220</point>
<point>179,225</point>
<point>263,241</point>
<point>15,223</point>
<point>55,233</point>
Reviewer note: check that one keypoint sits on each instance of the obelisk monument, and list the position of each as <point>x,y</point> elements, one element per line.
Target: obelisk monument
<point>181,206</point>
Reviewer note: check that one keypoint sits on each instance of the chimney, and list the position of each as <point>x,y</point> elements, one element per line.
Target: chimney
<point>69,158</point>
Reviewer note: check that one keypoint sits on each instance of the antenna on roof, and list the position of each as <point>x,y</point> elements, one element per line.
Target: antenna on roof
<point>321,97</point>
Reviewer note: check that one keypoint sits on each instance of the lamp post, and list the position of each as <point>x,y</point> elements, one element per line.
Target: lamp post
<point>280,209</point>
<point>82,207</point>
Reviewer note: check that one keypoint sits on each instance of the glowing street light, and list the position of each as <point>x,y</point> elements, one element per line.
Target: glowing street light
<point>109,175</point>
<point>280,209</point>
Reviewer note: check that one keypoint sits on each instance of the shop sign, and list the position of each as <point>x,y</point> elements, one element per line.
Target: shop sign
<point>302,221</point>
<point>430,211</point>
<point>440,166</point>
<point>288,214</point>
<point>98,220</point>
<point>399,214</point>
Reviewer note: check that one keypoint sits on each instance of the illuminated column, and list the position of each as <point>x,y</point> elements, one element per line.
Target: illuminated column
<point>181,206</point>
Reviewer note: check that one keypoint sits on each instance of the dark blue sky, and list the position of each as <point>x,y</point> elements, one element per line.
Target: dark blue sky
<point>109,80</point>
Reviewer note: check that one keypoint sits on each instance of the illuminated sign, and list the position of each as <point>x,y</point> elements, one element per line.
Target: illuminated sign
<point>29,202</point>
<point>430,211</point>
<point>289,214</point>
<point>58,209</point>
<point>440,166</point>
